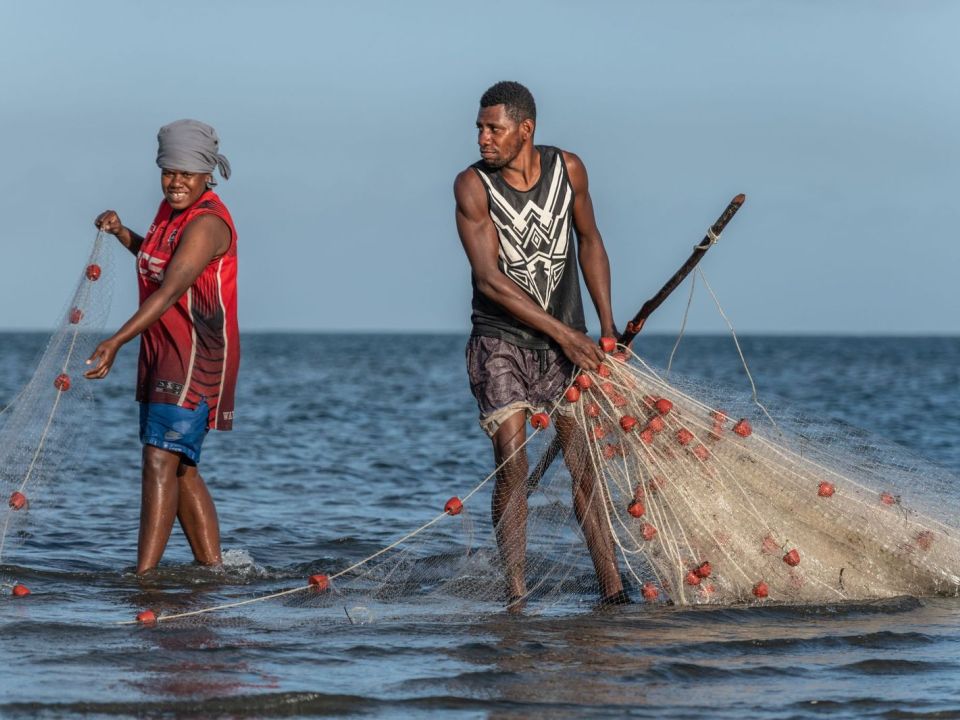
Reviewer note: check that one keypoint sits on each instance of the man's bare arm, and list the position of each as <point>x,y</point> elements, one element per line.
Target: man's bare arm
<point>593,255</point>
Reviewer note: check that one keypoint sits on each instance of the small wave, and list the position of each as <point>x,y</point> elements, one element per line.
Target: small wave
<point>240,561</point>
<point>885,640</point>
<point>287,704</point>
<point>896,666</point>
<point>697,672</point>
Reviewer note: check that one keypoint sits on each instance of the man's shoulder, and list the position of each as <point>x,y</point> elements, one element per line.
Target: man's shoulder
<point>576,170</point>
<point>469,170</point>
<point>570,158</point>
<point>467,181</point>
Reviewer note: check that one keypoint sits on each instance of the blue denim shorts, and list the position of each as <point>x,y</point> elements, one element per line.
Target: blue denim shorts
<point>174,428</point>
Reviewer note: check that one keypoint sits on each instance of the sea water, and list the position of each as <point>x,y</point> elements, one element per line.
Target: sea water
<point>344,443</point>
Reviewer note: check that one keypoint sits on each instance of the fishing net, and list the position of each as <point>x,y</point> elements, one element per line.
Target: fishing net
<point>689,501</point>
<point>43,430</point>
<point>718,503</point>
<point>640,483</point>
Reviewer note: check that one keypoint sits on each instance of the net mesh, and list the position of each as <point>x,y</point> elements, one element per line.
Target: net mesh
<point>681,497</point>
<point>42,429</point>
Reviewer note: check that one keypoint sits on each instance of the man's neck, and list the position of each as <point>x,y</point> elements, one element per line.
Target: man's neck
<point>524,171</point>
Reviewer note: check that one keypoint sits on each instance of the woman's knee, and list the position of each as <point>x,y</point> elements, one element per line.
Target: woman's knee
<point>159,463</point>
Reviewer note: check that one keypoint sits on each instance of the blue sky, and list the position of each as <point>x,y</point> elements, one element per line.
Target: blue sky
<point>346,123</point>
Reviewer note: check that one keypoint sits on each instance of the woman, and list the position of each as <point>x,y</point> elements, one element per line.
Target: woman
<point>189,344</point>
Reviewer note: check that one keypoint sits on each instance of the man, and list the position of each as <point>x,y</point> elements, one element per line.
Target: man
<point>517,212</point>
<point>189,343</point>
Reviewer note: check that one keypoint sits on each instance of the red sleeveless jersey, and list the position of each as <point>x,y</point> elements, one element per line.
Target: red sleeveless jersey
<point>193,351</point>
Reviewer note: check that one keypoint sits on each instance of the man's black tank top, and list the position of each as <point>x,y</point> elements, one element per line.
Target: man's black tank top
<point>536,251</point>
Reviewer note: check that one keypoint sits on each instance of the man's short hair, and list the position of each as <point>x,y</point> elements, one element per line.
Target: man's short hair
<point>517,100</point>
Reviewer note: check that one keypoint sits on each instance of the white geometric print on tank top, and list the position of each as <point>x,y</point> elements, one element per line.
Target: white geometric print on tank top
<point>534,240</point>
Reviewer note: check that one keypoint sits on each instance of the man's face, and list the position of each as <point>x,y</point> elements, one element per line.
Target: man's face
<point>182,189</point>
<point>499,137</point>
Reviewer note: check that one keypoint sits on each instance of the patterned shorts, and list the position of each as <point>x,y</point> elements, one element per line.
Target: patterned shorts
<point>506,379</point>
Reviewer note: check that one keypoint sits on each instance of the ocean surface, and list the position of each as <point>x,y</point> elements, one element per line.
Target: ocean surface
<point>344,443</point>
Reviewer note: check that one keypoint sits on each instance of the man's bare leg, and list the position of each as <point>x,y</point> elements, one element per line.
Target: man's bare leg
<point>159,498</point>
<point>509,504</point>
<point>588,506</point>
<point>198,516</point>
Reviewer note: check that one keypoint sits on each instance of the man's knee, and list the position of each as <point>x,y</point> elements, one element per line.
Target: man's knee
<point>511,435</point>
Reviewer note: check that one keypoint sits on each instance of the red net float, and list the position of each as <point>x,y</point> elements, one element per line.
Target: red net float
<point>684,436</point>
<point>572,394</point>
<point>540,420</point>
<point>319,582</point>
<point>93,272</point>
<point>20,590</point>
<point>584,382</point>
<point>76,315</point>
<point>742,428</point>
<point>761,589</point>
<point>62,382</point>
<point>628,423</point>
<point>608,344</point>
<point>636,508</point>
<point>18,500</point>
<point>648,531</point>
<point>826,489</point>
<point>792,558</point>
<point>663,406</point>
<point>147,617</point>
<point>453,507</point>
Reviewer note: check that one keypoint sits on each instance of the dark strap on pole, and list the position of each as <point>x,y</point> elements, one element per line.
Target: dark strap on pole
<point>636,324</point>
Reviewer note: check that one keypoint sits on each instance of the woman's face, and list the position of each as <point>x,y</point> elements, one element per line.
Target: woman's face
<point>182,189</point>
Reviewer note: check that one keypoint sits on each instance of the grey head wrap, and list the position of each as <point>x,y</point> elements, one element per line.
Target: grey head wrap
<point>191,146</point>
